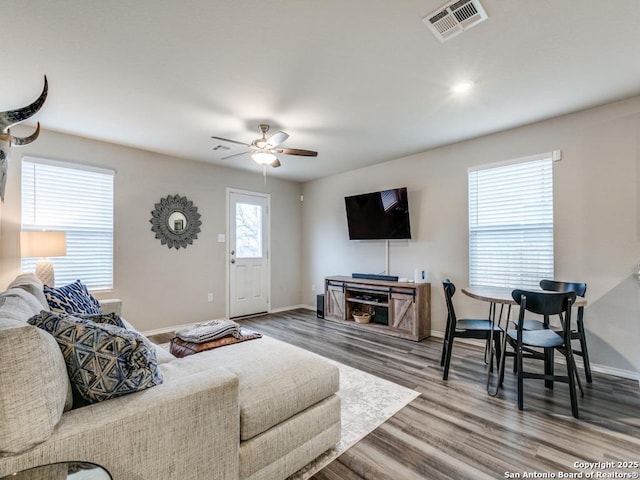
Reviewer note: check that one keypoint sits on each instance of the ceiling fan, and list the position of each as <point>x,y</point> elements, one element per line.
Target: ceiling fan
<point>263,150</point>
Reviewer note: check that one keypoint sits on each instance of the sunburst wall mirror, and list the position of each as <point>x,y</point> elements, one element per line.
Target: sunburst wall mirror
<point>175,221</point>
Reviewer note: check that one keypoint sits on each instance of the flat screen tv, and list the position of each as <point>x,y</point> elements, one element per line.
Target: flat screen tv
<point>379,215</point>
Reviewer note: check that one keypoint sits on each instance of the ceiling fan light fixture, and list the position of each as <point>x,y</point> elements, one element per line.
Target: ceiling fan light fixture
<point>462,87</point>
<point>263,158</point>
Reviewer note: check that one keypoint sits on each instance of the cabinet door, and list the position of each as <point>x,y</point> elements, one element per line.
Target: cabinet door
<point>403,315</point>
<point>334,302</point>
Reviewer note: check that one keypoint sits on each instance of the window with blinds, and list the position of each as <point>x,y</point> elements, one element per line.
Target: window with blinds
<point>511,223</point>
<point>78,200</point>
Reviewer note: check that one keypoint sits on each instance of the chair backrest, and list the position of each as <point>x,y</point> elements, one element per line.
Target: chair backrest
<point>449,291</point>
<point>580,289</point>
<point>546,303</point>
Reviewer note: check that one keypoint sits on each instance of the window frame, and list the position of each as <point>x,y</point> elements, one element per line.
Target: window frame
<point>514,238</point>
<point>98,274</point>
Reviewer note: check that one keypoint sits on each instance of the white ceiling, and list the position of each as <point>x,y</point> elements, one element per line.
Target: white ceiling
<point>360,81</point>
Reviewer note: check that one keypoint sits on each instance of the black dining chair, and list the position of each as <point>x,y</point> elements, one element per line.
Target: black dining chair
<point>525,343</point>
<point>577,333</point>
<point>465,328</point>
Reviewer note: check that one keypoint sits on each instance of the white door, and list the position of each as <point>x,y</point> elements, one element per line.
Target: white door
<point>248,253</point>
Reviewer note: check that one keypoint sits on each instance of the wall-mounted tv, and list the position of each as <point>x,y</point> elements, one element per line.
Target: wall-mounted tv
<point>380,215</point>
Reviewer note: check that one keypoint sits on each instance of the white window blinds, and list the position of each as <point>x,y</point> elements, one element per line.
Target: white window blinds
<point>511,223</point>
<point>79,201</point>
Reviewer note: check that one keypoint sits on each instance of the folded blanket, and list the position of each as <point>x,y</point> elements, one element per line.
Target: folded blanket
<point>205,332</point>
<point>180,348</point>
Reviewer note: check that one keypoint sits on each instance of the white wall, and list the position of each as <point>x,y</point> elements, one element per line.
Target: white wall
<point>596,198</point>
<point>597,231</point>
<point>163,287</point>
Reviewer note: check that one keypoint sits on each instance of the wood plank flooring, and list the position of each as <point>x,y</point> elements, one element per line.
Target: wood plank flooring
<point>454,429</point>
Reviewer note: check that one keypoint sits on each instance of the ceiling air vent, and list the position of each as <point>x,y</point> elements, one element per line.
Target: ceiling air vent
<point>455,17</point>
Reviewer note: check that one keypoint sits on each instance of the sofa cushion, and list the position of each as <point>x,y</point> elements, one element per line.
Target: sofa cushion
<point>34,384</point>
<point>103,361</point>
<point>277,381</point>
<point>18,304</point>
<point>164,355</point>
<point>72,298</point>
<point>32,284</point>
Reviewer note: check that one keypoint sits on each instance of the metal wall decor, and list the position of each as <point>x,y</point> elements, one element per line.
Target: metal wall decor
<point>11,118</point>
<point>175,221</point>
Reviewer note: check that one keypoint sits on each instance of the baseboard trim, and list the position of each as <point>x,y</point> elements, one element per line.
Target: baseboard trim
<point>616,372</point>
<point>291,307</point>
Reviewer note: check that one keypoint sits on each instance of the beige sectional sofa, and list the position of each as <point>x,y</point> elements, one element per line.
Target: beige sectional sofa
<point>260,409</point>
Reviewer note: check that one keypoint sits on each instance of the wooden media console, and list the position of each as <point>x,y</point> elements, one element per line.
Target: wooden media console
<point>401,309</point>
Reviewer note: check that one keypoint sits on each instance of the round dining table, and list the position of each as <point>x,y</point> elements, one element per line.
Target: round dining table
<point>502,296</point>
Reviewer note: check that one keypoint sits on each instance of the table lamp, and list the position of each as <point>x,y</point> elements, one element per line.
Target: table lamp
<point>43,244</point>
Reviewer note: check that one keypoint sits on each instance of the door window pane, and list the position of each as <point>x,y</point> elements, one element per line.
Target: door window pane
<point>248,230</point>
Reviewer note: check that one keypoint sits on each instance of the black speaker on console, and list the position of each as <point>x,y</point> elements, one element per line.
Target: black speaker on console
<point>320,306</point>
<point>375,276</point>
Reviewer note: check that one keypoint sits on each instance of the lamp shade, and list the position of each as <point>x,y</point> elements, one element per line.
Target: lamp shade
<point>43,244</point>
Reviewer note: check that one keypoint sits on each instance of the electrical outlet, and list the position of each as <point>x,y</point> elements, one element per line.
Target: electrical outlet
<point>313,288</point>
<point>209,297</point>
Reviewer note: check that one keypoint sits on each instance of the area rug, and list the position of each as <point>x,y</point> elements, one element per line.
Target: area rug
<point>367,402</point>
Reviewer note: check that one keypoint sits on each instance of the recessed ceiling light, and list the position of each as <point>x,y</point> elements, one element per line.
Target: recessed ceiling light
<point>462,87</point>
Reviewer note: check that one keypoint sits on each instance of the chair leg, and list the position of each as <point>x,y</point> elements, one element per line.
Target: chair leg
<point>548,367</point>
<point>501,367</point>
<point>583,348</point>
<point>520,379</point>
<point>503,360</point>
<point>447,360</point>
<point>572,374</point>
<point>575,370</point>
<point>497,347</point>
<point>444,343</point>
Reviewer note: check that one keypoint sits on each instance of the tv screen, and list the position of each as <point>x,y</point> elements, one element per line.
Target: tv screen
<point>379,215</point>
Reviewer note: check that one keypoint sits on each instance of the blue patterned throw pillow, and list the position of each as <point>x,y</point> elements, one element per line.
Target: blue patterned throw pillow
<point>103,361</point>
<point>106,318</point>
<point>72,298</point>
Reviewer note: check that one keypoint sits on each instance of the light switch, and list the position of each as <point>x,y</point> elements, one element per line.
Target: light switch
<point>221,238</point>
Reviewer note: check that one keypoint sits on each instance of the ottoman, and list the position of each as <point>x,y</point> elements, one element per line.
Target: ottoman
<point>289,410</point>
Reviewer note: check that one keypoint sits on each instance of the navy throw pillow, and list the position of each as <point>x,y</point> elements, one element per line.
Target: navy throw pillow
<point>103,361</point>
<point>107,318</point>
<point>72,298</point>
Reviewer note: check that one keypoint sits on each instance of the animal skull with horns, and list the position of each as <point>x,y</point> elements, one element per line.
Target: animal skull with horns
<point>9,119</point>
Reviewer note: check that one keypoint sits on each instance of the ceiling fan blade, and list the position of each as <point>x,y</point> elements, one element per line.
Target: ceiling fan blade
<point>276,163</point>
<point>231,141</point>
<point>235,155</point>
<point>297,151</point>
<point>276,139</point>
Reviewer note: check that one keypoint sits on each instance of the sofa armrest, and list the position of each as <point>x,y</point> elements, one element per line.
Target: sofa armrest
<point>111,305</point>
<point>184,429</point>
